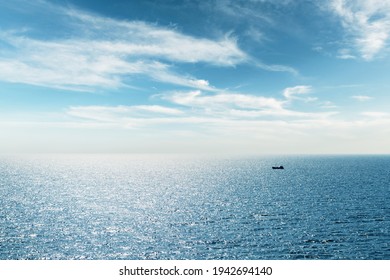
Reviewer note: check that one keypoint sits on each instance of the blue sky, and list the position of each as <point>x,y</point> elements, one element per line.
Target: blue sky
<point>256,76</point>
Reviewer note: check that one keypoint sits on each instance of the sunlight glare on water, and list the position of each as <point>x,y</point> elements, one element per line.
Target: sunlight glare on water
<point>175,207</point>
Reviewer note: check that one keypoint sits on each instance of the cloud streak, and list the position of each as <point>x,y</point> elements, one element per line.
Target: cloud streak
<point>222,100</point>
<point>202,109</point>
<point>367,23</point>
<point>361,97</point>
<point>102,53</point>
<point>292,92</point>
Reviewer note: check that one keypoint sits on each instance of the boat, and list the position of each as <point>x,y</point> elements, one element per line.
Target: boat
<point>278,167</point>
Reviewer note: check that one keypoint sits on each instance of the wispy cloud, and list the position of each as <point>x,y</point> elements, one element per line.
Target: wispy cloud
<point>377,115</point>
<point>126,116</point>
<point>361,97</point>
<point>276,68</point>
<point>102,52</point>
<point>239,10</point>
<point>221,100</point>
<point>137,110</point>
<point>328,105</point>
<point>295,92</point>
<point>197,107</point>
<point>238,106</point>
<point>243,128</point>
<point>345,54</point>
<point>367,23</point>
<point>143,39</point>
<point>201,134</point>
<point>236,119</point>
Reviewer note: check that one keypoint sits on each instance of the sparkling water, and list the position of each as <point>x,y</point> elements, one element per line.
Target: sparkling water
<point>177,207</point>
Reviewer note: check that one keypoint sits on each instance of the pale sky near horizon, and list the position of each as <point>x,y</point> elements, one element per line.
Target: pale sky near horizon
<point>252,77</point>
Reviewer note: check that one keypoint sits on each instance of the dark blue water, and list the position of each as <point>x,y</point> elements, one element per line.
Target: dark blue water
<point>140,207</point>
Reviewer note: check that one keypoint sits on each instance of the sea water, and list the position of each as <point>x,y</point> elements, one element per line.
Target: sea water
<point>174,207</point>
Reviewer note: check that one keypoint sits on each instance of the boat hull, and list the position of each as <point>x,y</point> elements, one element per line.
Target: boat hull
<point>277,167</point>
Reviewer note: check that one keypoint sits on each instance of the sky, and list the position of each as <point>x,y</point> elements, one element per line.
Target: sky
<point>192,76</point>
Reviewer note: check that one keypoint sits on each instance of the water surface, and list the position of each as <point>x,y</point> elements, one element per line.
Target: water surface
<point>170,207</point>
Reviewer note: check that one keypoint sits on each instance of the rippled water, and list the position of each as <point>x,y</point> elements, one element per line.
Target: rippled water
<point>166,207</point>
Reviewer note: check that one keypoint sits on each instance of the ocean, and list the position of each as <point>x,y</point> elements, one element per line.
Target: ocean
<point>137,207</point>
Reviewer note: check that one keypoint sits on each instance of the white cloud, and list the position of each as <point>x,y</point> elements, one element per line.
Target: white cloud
<point>223,100</point>
<point>142,39</point>
<point>345,54</point>
<point>218,110</point>
<point>102,52</point>
<point>203,83</point>
<point>158,109</point>
<point>163,74</point>
<point>243,128</point>
<point>200,135</point>
<point>377,115</point>
<point>237,119</point>
<point>328,105</point>
<point>361,97</point>
<point>108,113</point>
<point>240,106</point>
<point>238,10</point>
<point>292,92</point>
<point>368,22</point>
<point>69,73</point>
<point>277,68</point>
